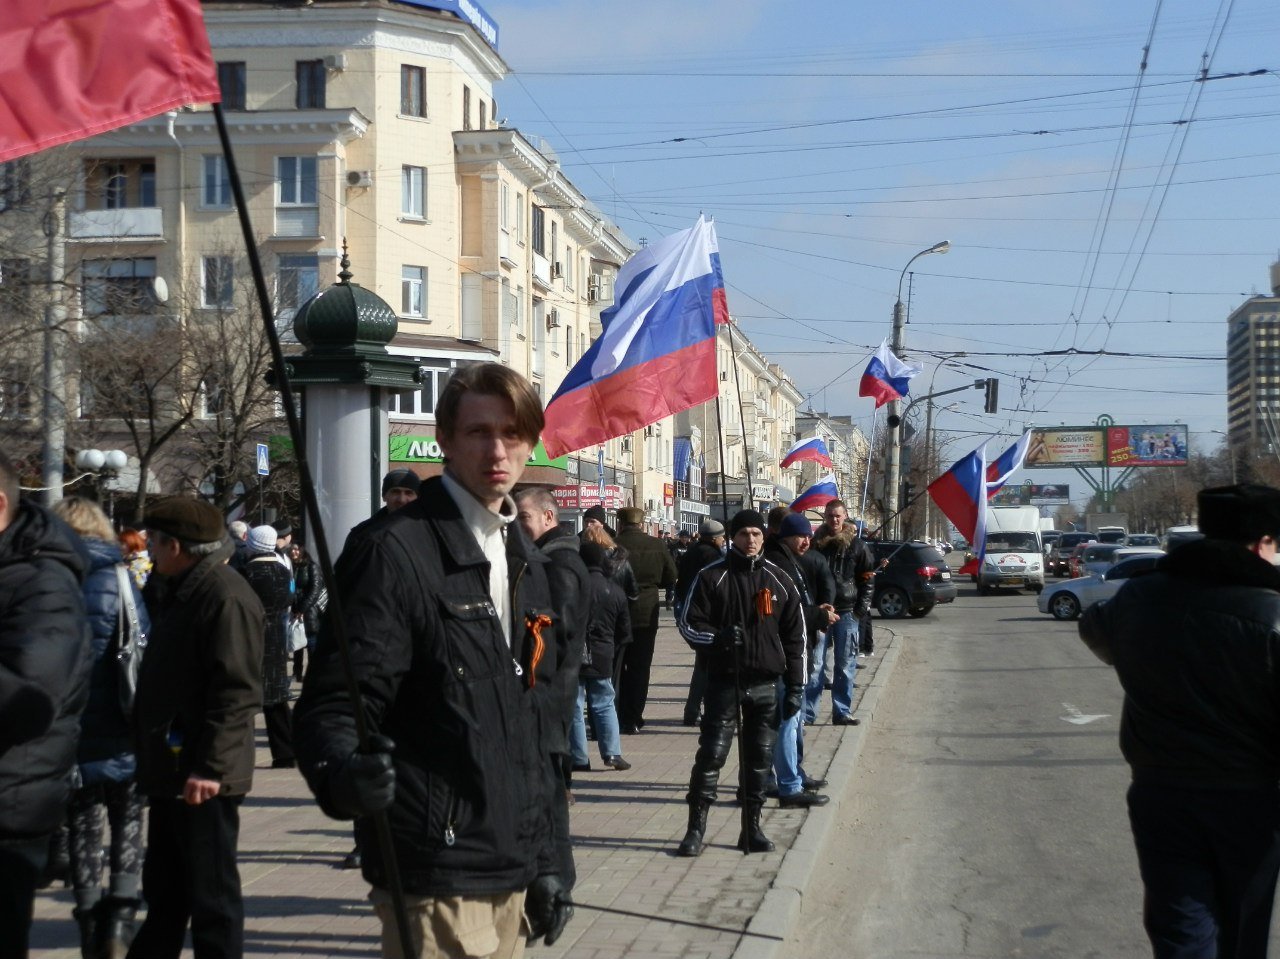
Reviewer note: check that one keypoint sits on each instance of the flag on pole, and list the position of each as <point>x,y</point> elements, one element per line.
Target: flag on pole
<point>74,68</point>
<point>1006,464</point>
<point>657,354</point>
<point>886,377</point>
<point>812,450</point>
<point>960,494</point>
<point>818,495</point>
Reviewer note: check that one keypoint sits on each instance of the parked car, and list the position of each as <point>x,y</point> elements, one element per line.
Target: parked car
<point>1074,561</point>
<point>1142,539</point>
<point>916,580</point>
<point>1060,556</point>
<point>1068,599</point>
<point>1096,557</point>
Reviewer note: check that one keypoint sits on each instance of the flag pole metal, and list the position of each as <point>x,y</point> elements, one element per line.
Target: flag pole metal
<point>382,826</point>
<point>866,476</point>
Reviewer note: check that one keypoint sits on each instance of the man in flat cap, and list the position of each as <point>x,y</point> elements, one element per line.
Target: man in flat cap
<point>654,569</point>
<point>199,689</point>
<point>1196,646</point>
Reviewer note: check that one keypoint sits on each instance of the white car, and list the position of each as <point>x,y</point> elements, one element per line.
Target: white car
<point>1069,598</point>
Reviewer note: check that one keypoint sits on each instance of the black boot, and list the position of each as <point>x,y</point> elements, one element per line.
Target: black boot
<point>87,920</point>
<point>116,926</point>
<point>752,839</point>
<point>691,845</point>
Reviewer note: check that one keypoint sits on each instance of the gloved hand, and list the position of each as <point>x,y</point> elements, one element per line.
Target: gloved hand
<point>364,782</point>
<point>793,701</point>
<point>730,636</point>
<point>548,908</point>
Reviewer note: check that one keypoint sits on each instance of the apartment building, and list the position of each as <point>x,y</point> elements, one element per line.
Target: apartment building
<point>848,447</point>
<point>1253,374</point>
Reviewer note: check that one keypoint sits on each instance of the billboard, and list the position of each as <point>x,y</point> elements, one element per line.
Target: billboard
<point>1033,494</point>
<point>1147,445</point>
<point>1053,447</point>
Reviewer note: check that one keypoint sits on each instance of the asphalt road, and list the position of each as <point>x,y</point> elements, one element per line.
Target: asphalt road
<point>987,815</point>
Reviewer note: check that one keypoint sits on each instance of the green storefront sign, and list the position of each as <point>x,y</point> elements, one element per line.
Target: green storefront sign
<point>425,449</point>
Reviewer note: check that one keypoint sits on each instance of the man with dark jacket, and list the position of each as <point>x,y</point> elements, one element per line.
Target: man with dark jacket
<point>44,685</point>
<point>743,613</point>
<point>654,569</point>
<point>707,549</point>
<point>199,689</point>
<point>852,566</point>
<point>448,617</point>
<point>1196,646</point>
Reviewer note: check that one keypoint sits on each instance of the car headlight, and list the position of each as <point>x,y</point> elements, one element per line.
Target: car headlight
<point>1035,567</point>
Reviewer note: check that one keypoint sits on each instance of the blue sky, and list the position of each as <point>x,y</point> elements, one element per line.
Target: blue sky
<point>831,142</point>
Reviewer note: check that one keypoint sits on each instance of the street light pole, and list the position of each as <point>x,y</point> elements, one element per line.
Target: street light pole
<point>928,431</point>
<point>892,466</point>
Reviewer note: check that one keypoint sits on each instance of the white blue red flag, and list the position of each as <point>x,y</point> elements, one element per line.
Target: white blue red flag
<point>812,450</point>
<point>818,495</point>
<point>960,493</point>
<point>1006,464</point>
<point>657,353</point>
<point>886,377</point>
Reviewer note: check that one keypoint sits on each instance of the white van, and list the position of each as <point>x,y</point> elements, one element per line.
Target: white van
<point>1015,552</point>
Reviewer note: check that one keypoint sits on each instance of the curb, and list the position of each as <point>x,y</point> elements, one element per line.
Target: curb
<point>772,924</point>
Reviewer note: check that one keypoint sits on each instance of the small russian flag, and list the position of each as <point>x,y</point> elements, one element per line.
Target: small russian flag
<point>960,494</point>
<point>818,495</point>
<point>886,377</point>
<point>812,450</point>
<point>1003,466</point>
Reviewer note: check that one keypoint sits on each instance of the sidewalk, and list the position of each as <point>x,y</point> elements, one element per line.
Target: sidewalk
<point>635,897</point>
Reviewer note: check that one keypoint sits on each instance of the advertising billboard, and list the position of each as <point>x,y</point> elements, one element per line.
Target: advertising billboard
<point>1033,494</point>
<point>1057,446</point>
<point>1147,445</point>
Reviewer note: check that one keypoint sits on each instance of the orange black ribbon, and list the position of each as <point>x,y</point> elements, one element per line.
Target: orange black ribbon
<point>534,624</point>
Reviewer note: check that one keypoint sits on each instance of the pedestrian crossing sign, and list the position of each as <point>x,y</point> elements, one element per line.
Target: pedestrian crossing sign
<point>264,460</point>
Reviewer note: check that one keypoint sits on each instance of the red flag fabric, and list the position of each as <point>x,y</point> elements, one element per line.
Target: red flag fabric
<point>74,68</point>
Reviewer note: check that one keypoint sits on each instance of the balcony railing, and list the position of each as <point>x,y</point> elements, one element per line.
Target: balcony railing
<point>141,222</point>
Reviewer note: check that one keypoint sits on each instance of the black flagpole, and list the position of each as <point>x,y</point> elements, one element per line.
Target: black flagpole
<point>382,826</point>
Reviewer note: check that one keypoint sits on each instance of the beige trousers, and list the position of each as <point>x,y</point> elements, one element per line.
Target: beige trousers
<point>456,927</point>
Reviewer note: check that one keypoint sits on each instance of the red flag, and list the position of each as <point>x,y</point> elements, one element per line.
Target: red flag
<point>73,68</point>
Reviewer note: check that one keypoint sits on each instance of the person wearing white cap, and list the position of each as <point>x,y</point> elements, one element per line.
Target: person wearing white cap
<point>273,584</point>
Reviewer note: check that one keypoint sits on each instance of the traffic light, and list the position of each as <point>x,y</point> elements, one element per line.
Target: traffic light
<point>908,492</point>
<point>993,394</point>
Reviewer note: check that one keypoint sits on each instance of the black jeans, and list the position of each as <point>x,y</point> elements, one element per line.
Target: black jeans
<point>190,876</point>
<point>637,660</point>
<point>279,726</point>
<point>22,861</point>
<point>1209,860</point>
<point>697,691</point>
<point>719,723</point>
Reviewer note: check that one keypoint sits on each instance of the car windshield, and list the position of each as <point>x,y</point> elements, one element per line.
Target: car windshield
<point>1144,539</point>
<point>1014,542</point>
<point>1099,552</point>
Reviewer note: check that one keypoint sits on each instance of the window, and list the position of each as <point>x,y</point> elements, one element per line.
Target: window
<point>493,111</point>
<point>413,192</point>
<point>555,241</point>
<point>15,183</point>
<point>297,281</point>
<point>520,308</point>
<point>310,74</point>
<point>215,286</point>
<point>483,118</point>
<point>231,82</point>
<point>15,285</point>
<point>120,184</point>
<point>297,180</point>
<point>413,91</point>
<point>569,343</point>
<point>568,268</point>
<point>538,226</point>
<point>212,399</point>
<point>520,218</point>
<point>504,207</point>
<point>466,107</point>
<point>215,186</point>
<point>508,302</point>
<point>539,358</point>
<point>119,287</point>
<point>413,291</point>
<point>421,404</point>
<point>18,392</point>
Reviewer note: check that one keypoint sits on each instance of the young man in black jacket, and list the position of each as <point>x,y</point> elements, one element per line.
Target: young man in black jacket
<point>1196,646</point>
<point>449,619</point>
<point>743,614</point>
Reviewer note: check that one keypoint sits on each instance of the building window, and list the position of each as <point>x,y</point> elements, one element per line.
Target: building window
<point>215,284</point>
<point>569,344</point>
<point>568,268</point>
<point>232,84</point>
<point>466,107</point>
<point>520,218</point>
<point>297,281</point>
<point>413,291</point>
<point>520,308</point>
<point>413,91</point>
<point>18,392</point>
<point>310,75</point>
<point>15,183</point>
<point>508,302</point>
<point>555,242</point>
<point>15,286</point>
<point>538,229</point>
<point>297,180</point>
<point>413,192</point>
<point>216,187</point>
<point>504,207</point>
<point>493,111</point>
<point>421,404</point>
<point>119,287</point>
<point>120,184</point>
<point>483,118</point>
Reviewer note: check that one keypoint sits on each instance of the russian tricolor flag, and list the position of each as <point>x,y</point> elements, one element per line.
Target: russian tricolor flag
<point>818,495</point>
<point>960,494</point>
<point>1002,467</point>
<point>811,450</point>
<point>886,377</point>
<point>657,354</point>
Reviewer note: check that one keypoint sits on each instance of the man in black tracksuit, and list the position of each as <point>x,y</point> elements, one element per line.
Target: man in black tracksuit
<point>1196,646</point>
<point>743,615</point>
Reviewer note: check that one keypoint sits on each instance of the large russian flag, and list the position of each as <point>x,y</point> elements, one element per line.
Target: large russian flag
<point>960,493</point>
<point>818,495</point>
<point>1003,466</point>
<point>886,377</point>
<point>811,450</point>
<point>657,354</point>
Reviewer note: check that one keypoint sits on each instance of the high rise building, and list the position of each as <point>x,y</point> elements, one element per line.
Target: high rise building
<point>1253,374</point>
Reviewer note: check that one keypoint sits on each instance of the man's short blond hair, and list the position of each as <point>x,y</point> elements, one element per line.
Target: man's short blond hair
<point>492,379</point>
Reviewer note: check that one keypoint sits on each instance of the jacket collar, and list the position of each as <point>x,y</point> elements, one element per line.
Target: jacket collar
<point>187,583</point>
<point>1221,563</point>
<point>826,538</point>
<point>435,504</point>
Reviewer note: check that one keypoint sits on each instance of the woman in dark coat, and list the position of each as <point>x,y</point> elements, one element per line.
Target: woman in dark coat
<point>273,583</point>
<point>618,569</point>
<point>309,601</point>
<point>105,755</point>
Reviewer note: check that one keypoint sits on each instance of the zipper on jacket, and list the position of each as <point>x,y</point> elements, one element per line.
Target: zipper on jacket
<point>450,820</point>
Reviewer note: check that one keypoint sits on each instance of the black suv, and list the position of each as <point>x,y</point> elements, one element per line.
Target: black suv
<point>916,579</point>
<point>1059,556</point>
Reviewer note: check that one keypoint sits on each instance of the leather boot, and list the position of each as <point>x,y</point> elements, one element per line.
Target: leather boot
<point>87,920</point>
<point>752,839</point>
<point>116,926</point>
<point>691,845</point>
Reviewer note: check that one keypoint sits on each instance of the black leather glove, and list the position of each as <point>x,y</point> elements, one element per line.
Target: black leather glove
<point>364,782</point>
<point>793,701</point>
<point>548,908</point>
<point>730,636</point>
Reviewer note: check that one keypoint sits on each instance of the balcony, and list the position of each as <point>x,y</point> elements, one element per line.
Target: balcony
<point>129,223</point>
<point>541,272</point>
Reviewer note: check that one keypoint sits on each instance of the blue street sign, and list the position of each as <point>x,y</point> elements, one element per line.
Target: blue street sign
<point>264,461</point>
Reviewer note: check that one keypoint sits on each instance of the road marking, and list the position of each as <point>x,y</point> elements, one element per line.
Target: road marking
<point>1077,718</point>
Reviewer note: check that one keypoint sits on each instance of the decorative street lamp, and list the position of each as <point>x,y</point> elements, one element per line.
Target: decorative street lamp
<point>104,465</point>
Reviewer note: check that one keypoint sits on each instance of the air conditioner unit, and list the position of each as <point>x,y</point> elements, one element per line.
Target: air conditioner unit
<point>557,270</point>
<point>553,319</point>
<point>336,62</point>
<point>359,178</point>
<point>593,294</point>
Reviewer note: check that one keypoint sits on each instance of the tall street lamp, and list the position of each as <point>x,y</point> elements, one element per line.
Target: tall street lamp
<point>893,461</point>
